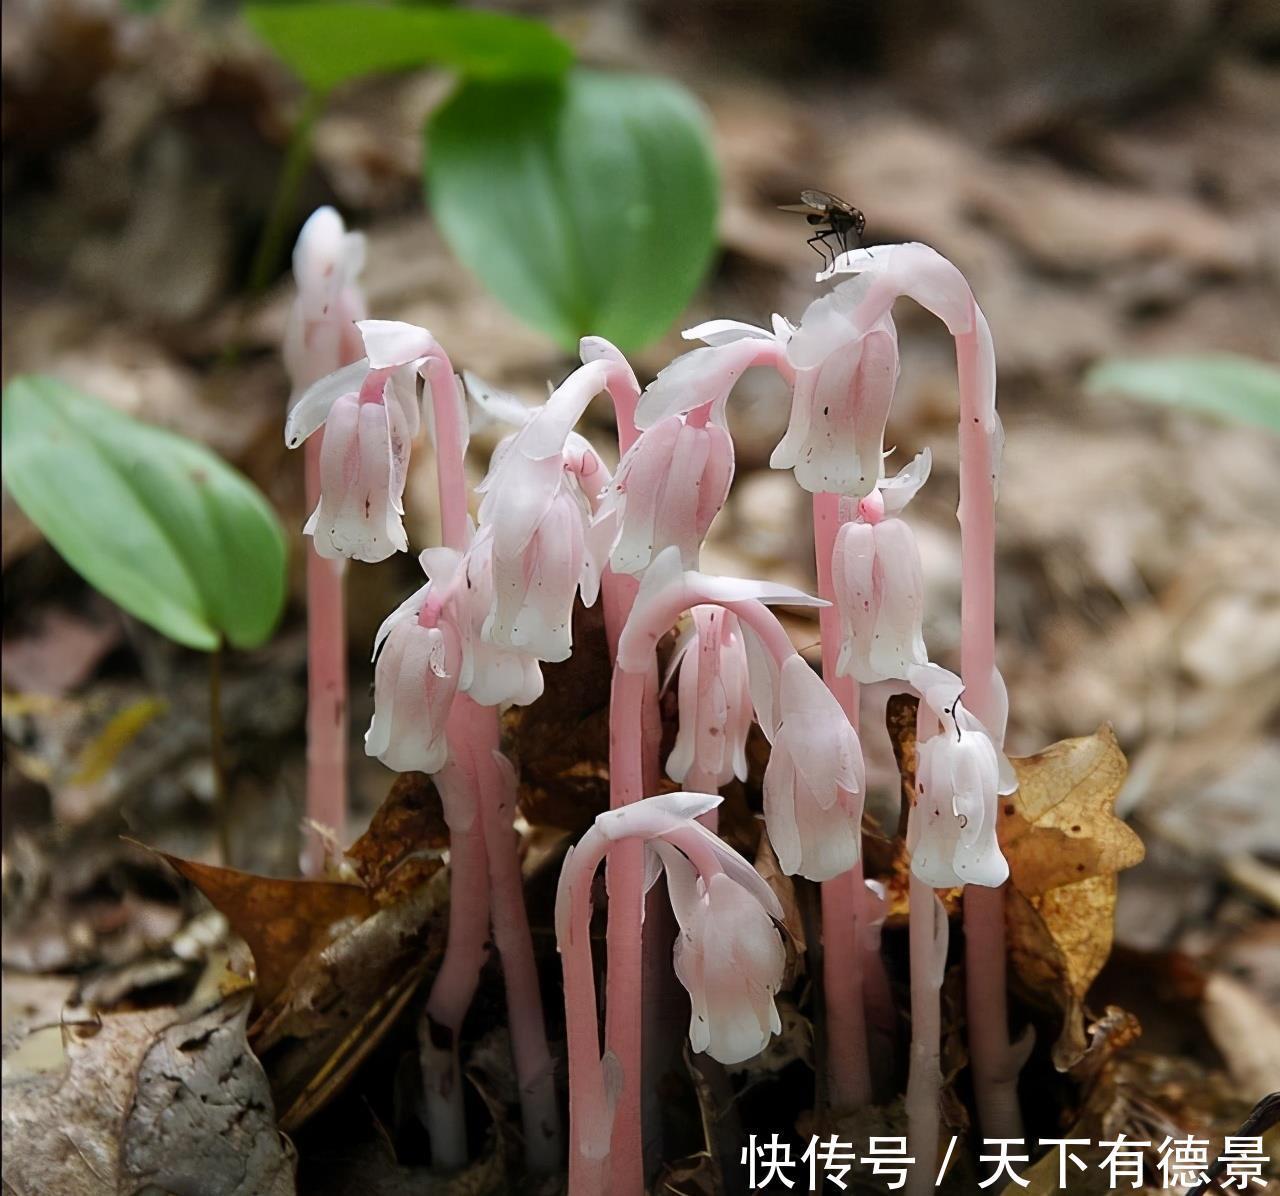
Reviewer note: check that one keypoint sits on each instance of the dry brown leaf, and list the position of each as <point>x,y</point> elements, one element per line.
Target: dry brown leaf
<point>342,999</point>
<point>1065,845</point>
<point>402,848</point>
<point>283,921</point>
<point>164,1100</point>
<point>784,888</point>
<point>560,743</point>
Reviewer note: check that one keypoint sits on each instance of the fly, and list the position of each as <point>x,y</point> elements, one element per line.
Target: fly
<point>830,216</point>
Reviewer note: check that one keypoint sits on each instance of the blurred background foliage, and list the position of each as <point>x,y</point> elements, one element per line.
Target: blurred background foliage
<point>1105,172</point>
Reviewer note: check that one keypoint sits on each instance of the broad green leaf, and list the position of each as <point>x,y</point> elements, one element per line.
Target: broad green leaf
<point>162,526</point>
<point>587,206</point>
<point>327,44</point>
<point>1221,384</point>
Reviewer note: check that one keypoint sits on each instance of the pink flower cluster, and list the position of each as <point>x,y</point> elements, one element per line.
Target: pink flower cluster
<point>553,526</point>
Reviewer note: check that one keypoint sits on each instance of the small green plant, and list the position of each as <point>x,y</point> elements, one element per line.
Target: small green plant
<point>162,526</point>
<point>585,201</point>
<point>1219,384</point>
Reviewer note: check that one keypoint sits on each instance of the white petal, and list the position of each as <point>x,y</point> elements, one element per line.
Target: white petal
<point>314,404</point>
<point>393,343</point>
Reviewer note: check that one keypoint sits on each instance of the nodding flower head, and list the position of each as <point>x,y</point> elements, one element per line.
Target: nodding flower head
<point>729,957</point>
<point>669,486</point>
<point>370,413</point>
<point>814,783</point>
<point>952,829</point>
<point>878,584</point>
<point>845,377</point>
<point>320,335</point>
<point>729,954</point>
<point>715,701</point>
<point>539,497</point>
<point>422,664</point>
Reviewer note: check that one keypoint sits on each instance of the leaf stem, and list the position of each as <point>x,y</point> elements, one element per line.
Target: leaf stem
<point>217,758</point>
<point>297,156</point>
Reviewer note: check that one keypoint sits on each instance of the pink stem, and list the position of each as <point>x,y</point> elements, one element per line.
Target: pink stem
<point>540,1114</point>
<point>995,1062</point>
<point>624,1005</point>
<point>928,944</point>
<point>485,858</point>
<point>451,994</point>
<point>595,1166</point>
<point>326,800</point>
<point>848,1065</point>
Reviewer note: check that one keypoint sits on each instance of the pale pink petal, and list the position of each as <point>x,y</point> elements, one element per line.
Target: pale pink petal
<point>898,641</point>
<point>312,408</point>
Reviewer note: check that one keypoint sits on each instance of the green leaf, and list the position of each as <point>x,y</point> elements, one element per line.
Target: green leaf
<point>1221,384</point>
<point>161,525</point>
<point>327,44</point>
<point>587,206</point>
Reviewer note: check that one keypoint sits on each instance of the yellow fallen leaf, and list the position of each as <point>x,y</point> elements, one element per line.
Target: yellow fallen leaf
<point>103,751</point>
<point>1065,845</point>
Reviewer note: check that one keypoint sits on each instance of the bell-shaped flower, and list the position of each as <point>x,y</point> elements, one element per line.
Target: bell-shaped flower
<point>729,957</point>
<point>923,274</point>
<point>845,377</point>
<point>537,506</point>
<point>422,664</point>
<point>371,415</point>
<point>952,830</point>
<point>500,676</point>
<point>714,700</point>
<point>878,583</point>
<point>670,485</point>
<point>320,335</point>
<point>815,780</point>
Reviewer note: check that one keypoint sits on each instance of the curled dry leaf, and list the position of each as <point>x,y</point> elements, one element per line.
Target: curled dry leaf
<point>403,847</point>
<point>282,921</point>
<point>163,1100</point>
<point>1065,846</point>
<point>336,962</point>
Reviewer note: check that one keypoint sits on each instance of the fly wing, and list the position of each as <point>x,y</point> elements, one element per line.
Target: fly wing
<point>823,200</point>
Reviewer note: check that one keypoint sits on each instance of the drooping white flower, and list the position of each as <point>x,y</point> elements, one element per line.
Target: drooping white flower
<point>845,377</point>
<point>728,956</point>
<point>878,584</point>
<point>537,506</point>
<point>814,784</point>
<point>952,829</point>
<point>422,664</point>
<point>714,699</point>
<point>670,485</point>
<point>371,415</point>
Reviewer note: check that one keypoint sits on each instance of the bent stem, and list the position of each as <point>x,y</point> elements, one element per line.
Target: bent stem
<point>928,933</point>
<point>326,800</point>
<point>596,1088</point>
<point>843,960</point>
<point>996,1062</point>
